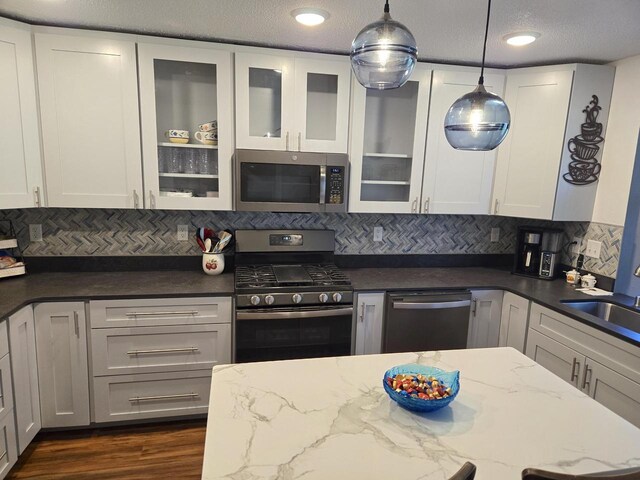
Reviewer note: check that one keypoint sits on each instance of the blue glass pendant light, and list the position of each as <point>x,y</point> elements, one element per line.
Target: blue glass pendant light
<point>478,120</point>
<point>384,53</point>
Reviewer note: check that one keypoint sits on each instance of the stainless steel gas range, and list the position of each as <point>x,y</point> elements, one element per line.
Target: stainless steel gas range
<point>291,299</point>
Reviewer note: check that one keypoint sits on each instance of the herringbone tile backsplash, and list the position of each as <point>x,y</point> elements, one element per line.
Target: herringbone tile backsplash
<point>77,232</point>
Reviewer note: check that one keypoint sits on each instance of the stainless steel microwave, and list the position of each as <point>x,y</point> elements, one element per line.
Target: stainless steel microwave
<point>277,181</point>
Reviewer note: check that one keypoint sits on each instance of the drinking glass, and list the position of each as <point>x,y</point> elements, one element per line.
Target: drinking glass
<point>189,161</point>
<point>173,163</point>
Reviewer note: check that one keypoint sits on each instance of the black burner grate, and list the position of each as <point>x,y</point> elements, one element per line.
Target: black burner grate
<point>263,276</point>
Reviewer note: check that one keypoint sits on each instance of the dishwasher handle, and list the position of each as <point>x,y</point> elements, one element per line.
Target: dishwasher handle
<point>430,305</point>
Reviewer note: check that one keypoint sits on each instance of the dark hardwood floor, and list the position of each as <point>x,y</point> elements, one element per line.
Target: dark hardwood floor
<point>144,452</point>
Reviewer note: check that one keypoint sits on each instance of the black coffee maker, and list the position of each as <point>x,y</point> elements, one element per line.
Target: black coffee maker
<point>537,252</point>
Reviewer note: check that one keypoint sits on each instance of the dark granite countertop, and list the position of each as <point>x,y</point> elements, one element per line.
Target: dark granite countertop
<point>51,287</point>
<point>47,287</point>
<point>543,292</point>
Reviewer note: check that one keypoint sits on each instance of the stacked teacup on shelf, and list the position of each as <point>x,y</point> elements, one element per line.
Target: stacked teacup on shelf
<point>208,133</point>
<point>584,168</point>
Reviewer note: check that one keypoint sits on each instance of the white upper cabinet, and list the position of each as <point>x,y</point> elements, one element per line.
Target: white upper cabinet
<point>21,178</point>
<point>388,129</point>
<point>294,104</point>
<point>456,181</point>
<point>548,164</point>
<point>90,123</point>
<point>186,88</point>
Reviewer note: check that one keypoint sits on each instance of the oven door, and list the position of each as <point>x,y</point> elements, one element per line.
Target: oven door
<point>290,333</point>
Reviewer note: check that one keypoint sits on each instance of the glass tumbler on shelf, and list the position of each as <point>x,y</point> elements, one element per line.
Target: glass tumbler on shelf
<point>189,161</point>
<point>173,164</point>
<point>204,164</point>
<point>163,157</point>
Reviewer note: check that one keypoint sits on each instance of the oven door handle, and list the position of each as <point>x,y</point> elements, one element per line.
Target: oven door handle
<point>293,314</point>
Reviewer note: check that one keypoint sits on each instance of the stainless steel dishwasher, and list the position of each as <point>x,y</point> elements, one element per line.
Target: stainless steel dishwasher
<point>422,321</point>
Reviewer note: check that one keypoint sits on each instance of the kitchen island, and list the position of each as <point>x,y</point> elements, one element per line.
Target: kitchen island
<point>330,418</point>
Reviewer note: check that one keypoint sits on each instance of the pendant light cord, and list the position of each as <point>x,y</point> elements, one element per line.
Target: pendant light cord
<point>386,6</point>
<point>484,48</point>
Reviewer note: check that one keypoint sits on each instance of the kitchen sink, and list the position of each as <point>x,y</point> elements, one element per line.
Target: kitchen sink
<point>609,312</point>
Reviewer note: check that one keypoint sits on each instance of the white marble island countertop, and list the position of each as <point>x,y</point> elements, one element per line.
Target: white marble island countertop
<point>331,419</point>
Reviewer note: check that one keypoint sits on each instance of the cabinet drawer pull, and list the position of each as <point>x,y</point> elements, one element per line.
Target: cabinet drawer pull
<point>426,204</point>
<point>152,199</point>
<point>587,371</point>
<point>574,374</point>
<point>495,208</point>
<point>136,200</point>
<point>36,193</point>
<point>362,313</point>
<point>163,350</point>
<point>161,314</point>
<point>76,325</point>
<point>163,397</point>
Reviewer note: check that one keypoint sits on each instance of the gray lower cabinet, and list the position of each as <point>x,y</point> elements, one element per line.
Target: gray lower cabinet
<point>369,319</point>
<point>604,367</point>
<point>514,321</point>
<point>484,323</point>
<point>8,438</point>
<point>63,370</point>
<point>22,344</point>
<point>152,358</point>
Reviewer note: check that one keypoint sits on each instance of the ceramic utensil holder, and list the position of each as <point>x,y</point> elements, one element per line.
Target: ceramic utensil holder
<point>213,263</point>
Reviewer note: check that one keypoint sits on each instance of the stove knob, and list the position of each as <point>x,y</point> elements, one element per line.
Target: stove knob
<point>336,297</point>
<point>255,300</point>
<point>297,298</point>
<point>323,297</point>
<point>269,299</point>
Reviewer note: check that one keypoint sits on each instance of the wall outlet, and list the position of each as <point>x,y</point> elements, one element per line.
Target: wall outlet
<point>593,249</point>
<point>35,232</point>
<point>377,234</point>
<point>495,234</point>
<point>183,233</point>
<point>577,246</point>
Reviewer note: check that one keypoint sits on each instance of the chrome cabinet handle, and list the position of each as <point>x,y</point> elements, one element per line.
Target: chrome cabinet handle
<point>152,199</point>
<point>495,208</point>
<point>574,374</point>
<point>287,142</point>
<point>414,206</point>
<point>270,315</point>
<point>475,306</point>
<point>426,205</point>
<point>136,200</point>
<point>299,141</point>
<point>362,313</point>
<point>36,194</point>
<point>587,371</point>
<point>76,324</point>
<point>163,397</point>
<point>161,314</point>
<point>323,184</point>
<point>163,350</point>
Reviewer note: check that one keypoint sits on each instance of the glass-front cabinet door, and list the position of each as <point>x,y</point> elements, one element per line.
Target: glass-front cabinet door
<point>187,130</point>
<point>292,103</point>
<point>387,145</point>
<point>264,101</point>
<point>322,105</point>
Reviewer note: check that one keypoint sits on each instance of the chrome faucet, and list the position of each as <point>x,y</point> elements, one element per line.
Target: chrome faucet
<point>637,274</point>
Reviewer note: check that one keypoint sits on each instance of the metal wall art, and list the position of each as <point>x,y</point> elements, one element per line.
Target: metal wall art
<point>584,168</point>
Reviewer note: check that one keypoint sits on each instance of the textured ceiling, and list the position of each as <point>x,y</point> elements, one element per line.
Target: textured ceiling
<point>446,30</point>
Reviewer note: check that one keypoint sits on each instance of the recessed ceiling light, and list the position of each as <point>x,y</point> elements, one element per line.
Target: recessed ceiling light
<point>520,39</point>
<point>310,16</point>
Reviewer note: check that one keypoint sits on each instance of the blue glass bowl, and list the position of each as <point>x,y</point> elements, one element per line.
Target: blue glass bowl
<point>450,379</point>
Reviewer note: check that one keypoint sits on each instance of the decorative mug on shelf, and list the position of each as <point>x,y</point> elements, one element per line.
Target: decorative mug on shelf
<point>177,136</point>
<point>209,126</point>
<point>213,263</point>
<point>207,138</point>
